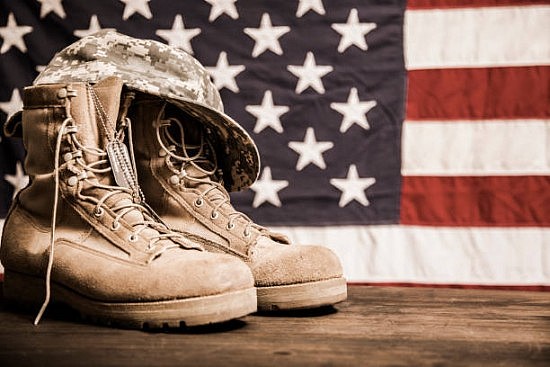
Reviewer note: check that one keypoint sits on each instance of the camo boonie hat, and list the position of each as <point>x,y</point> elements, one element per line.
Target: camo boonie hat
<point>165,71</point>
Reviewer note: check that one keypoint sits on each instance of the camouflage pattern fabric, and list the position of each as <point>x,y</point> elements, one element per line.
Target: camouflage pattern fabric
<point>165,71</point>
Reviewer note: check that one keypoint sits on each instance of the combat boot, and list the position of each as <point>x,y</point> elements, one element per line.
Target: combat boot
<point>178,168</point>
<point>80,233</point>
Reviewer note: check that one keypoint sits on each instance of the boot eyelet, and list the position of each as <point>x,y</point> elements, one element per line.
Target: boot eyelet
<point>115,226</point>
<point>98,212</point>
<point>199,202</point>
<point>214,215</point>
<point>247,233</point>
<point>133,238</point>
<point>151,246</point>
<point>230,226</point>
<point>67,157</point>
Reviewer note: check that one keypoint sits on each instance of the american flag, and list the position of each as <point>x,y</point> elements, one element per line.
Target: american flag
<point>412,138</point>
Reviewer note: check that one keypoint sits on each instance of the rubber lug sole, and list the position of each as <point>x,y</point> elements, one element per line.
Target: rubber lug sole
<point>302,295</point>
<point>29,290</point>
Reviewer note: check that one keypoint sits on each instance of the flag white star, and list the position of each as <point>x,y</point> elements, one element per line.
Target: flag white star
<point>353,187</point>
<point>267,36</point>
<point>13,35</point>
<point>136,6</point>
<point>51,5</point>
<point>220,7</point>
<point>224,74</point>
<point>178,36</point>
<point>354,111</point>
<point>267,114</point>
<point>353,32</point>
<point>306,5</point>
<point>13,105</point>
<point>19,181</point>
<point>266,189</point>
<point>93,28</point>
<point>309,74</point>
<point>310,150</point>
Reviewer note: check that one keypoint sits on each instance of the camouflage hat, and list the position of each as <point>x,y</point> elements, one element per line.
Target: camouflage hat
<point>165,71</point>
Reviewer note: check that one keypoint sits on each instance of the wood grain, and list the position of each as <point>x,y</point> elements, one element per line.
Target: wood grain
<point>376,326</point>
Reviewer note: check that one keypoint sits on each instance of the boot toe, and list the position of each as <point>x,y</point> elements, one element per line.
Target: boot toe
<point>176,274</point>
<point>276,264</point>
<point>206,274</point>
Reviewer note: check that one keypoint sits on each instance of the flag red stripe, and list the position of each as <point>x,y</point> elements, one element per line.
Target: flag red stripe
<point>435,4</point>
<point>478,93</point>
<point>476,201</point>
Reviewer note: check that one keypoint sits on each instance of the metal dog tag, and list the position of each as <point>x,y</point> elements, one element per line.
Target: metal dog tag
<point>120,163</point>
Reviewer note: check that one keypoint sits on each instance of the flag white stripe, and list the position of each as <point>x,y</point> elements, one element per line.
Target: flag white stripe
<point>436,255</point>
<point>476,148</point>
<point>478,37</point>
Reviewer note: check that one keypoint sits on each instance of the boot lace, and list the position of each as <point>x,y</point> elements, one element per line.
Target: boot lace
<point>83,177</point>
<point>207,166</point>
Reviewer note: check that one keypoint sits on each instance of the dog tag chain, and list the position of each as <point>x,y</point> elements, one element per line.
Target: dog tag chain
<point>117,152</point>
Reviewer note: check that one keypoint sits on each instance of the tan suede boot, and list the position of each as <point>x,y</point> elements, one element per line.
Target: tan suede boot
<point>77,236</point>
<point>179,173</point>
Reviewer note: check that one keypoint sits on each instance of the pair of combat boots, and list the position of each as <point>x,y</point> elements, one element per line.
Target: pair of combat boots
<point>145,236</point>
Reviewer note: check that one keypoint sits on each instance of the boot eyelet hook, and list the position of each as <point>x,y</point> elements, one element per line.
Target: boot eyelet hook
<point>115,226</point>
<point>69,129</point>
<point>174,180</point>
<point>67,156</point>
<point>98,212</point>
<point>72,181</point>
<point>214,215</point>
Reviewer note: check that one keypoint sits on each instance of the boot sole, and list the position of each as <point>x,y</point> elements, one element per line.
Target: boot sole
<point>29,290</point>
<point>303,295</point>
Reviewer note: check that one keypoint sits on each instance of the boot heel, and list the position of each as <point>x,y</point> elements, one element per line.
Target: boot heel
<point>24,290</point>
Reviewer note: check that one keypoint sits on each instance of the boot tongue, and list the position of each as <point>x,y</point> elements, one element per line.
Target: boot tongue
<point>134,217</point>
<point>104,98</point>
<point>192,135</point>
<point>94,132</point>
<point>105,103</point>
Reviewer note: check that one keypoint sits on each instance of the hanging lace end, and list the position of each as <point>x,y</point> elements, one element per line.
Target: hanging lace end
<point>62,131</point>
<point>44,305</point>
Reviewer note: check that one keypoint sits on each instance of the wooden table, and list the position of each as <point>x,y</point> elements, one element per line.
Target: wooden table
<point>377,326</point>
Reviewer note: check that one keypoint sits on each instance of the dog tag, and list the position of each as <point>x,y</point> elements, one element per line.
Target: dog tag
<point>120,164</point>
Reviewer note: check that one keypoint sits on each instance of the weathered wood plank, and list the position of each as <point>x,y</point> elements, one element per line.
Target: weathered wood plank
<point>378,326</point>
